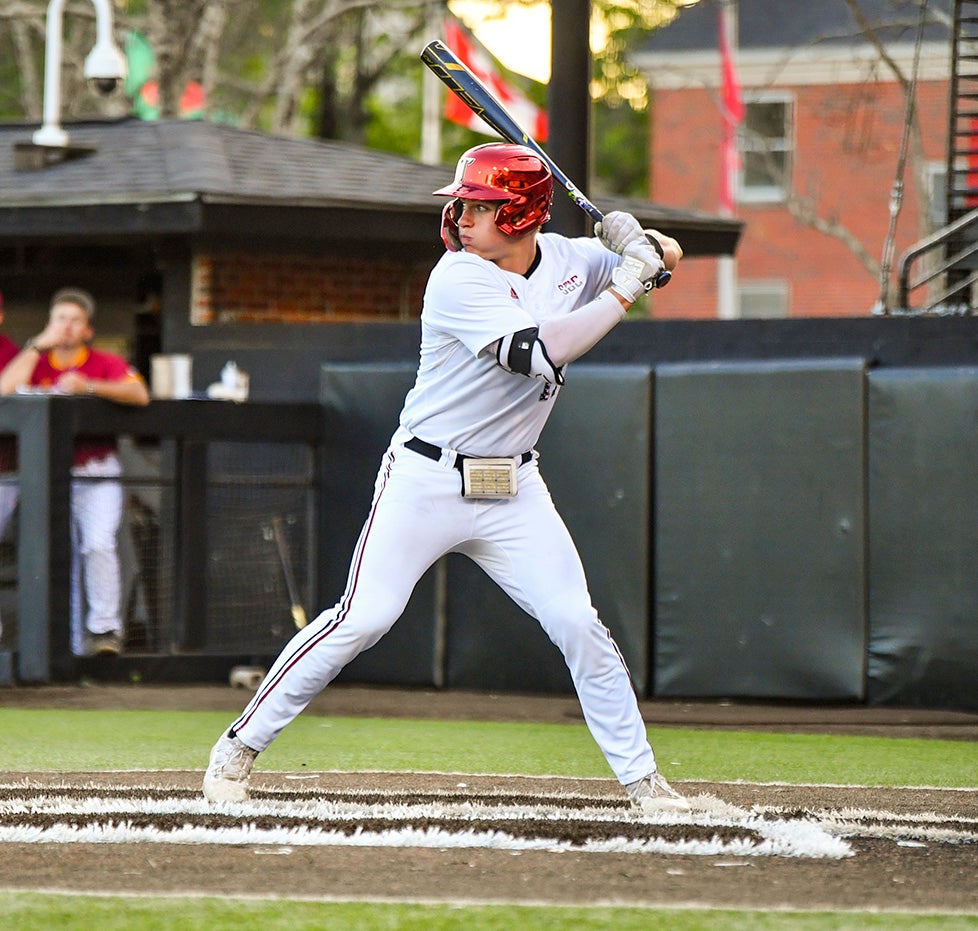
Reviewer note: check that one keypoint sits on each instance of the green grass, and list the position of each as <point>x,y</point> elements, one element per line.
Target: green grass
<point>56,739</point>
<point>28,912</point>
<point>48,739</point>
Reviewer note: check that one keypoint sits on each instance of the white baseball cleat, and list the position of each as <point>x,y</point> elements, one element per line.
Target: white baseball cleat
<point>653,794</point>
<point>226,779</point>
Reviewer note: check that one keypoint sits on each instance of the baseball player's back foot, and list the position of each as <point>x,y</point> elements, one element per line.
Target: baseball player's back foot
<point>653,794</point>
<point>226,779</point>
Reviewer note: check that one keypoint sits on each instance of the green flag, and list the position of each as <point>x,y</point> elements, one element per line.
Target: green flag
<point>141,62</point>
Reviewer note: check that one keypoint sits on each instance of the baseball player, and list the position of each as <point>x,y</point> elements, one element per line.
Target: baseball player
<point>60,359</point>
<point>505,310</point>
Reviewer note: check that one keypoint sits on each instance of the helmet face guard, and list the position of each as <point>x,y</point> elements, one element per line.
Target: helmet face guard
<point>511,174</point>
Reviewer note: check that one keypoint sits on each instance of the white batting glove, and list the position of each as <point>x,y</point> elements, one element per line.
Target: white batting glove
<point>617,230</point>
<point>640,264</point>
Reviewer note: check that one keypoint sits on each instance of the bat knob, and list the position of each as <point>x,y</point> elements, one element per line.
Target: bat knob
<point>663,278</point>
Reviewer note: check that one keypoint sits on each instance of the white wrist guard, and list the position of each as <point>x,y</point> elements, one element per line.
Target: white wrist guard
<point>636,275</point>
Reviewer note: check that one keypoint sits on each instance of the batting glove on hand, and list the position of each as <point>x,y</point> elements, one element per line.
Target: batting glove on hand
<point>617,230</point>
<point>640,264</point>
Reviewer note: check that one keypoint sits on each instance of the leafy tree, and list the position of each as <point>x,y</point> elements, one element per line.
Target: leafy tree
<point>340,69</point>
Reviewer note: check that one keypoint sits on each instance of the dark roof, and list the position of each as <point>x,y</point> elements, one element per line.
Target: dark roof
<point>165,167</point>
<point>173,158</point>
<point>771,24</point>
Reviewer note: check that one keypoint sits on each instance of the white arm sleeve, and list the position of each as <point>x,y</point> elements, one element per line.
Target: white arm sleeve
<point>567,338</point>
<point>542,352</point>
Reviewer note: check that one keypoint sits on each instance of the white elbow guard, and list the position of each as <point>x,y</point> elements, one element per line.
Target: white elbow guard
<point>523,352</point>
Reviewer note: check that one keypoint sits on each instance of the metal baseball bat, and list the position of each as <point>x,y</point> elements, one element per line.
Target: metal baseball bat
<point>298,612</point>
<point>464,84</point>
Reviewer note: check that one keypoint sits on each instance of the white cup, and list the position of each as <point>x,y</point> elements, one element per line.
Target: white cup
<point>181,367</point>
<point>161,376</point>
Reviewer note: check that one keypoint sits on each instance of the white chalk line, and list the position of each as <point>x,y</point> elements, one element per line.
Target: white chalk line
<point>337,823</point>
<point>323,821</point>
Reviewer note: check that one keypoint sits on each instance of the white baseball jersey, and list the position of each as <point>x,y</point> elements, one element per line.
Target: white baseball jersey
<point>472,405</point>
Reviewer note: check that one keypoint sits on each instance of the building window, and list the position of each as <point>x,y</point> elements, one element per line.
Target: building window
<point>764,140</point>
<point>763,299</point>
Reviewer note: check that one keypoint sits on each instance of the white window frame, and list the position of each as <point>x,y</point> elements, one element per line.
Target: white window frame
<point>774,290</point>
<point>767,193</point>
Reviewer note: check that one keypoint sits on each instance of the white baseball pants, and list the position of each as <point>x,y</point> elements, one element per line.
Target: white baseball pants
<point>417,516</point>
<point>96,577</point>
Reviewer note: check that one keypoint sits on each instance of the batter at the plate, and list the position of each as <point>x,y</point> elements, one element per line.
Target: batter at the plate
<point>505,310</point>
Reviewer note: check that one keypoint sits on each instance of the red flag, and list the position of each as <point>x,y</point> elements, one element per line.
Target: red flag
<point>478,60</point>
<point>191,102</point>
<point>733,113</point>
<point>971,200</point>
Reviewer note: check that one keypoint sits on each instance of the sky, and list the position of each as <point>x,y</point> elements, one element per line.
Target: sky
<point>520,39</point>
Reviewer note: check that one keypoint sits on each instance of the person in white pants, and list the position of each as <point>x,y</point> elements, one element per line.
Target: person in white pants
<point>505,310</point>
<point>96,576</point>
<point>60,359</point>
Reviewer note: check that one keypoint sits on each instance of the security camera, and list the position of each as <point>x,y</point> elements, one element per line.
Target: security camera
<point>105,86</point>
<point>105,67</point>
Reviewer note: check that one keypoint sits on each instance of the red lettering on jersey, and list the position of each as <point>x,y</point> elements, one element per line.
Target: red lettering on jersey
<point>513,294</point>
<point>571,284</point>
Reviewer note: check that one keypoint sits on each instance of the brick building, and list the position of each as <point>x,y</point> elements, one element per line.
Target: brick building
<point>818,146</point>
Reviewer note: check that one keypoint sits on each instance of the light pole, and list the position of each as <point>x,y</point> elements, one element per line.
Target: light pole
<point>105,67</point>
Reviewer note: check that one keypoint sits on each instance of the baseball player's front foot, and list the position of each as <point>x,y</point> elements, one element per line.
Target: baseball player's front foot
<point>653,794</point>
<point>226,779</point>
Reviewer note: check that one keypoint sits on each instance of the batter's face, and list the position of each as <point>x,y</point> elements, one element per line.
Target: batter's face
<point>479,235</point>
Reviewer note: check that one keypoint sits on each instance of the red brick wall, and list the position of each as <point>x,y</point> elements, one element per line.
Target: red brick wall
<point>847,142</point>
<point>246,287</point>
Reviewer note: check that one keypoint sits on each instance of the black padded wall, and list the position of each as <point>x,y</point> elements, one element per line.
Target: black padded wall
<point>760,530</point>
<point>923,493</point>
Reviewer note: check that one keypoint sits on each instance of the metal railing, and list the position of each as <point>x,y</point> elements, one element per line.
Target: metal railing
<point>951,298</point>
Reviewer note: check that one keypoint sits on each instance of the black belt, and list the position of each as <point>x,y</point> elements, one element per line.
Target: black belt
<point>434,452</point>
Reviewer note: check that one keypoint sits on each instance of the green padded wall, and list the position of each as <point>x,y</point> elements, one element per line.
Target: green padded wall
<point>460,629</point>
<point>595,457</point>
<point>760,530</point>
<point>363,402</point>
<point>923,493</point>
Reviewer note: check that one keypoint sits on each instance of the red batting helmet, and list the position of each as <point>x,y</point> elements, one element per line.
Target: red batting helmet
<point>505,172</point>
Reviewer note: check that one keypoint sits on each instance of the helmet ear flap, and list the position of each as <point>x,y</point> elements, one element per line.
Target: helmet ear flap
<point>449,225</point>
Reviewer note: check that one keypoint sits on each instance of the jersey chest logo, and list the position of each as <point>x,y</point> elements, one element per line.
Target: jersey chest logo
<point>571,284</point>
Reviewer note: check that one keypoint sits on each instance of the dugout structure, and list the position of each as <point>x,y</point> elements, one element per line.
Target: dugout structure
<point>220,497</point>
